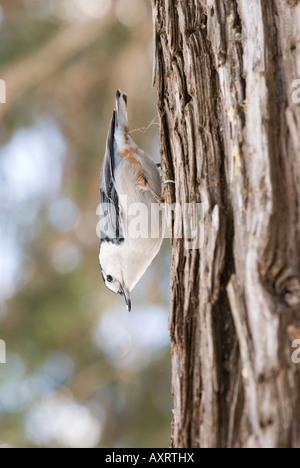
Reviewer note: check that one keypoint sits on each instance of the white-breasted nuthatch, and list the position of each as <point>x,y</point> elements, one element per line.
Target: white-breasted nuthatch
<point>128,177</point>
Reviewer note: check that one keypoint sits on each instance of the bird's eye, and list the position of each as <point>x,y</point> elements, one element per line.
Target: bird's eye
<point>109,279</point>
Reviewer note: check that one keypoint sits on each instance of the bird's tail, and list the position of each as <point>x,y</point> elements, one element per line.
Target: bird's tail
<point>121,110</point>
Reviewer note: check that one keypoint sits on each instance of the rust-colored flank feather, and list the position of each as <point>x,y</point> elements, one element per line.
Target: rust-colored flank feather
<point>129,155</point>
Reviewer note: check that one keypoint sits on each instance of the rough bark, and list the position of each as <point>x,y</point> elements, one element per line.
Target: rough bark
<point>230,139</point>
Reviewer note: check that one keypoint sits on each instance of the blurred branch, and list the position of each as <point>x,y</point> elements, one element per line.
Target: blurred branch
<point>29,73</point>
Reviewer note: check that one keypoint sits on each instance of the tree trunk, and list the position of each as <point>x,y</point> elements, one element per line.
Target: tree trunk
<point>225,72</point>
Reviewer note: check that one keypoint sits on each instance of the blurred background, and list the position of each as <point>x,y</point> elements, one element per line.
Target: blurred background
<point>81,371</point>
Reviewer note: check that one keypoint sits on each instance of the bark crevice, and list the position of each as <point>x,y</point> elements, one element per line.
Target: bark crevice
<point>230,140</point>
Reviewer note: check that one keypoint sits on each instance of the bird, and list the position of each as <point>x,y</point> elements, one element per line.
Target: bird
<point>130,182</point>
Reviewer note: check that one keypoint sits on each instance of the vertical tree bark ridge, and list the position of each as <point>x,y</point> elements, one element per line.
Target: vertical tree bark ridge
<point>230,139</point>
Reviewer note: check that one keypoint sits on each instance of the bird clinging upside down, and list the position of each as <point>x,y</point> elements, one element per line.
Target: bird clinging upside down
<point>129,180</point>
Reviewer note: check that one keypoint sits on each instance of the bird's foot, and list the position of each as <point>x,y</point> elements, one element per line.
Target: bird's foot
<point>165,182</point>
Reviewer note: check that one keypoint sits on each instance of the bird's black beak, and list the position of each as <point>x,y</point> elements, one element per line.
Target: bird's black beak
<point>126,296</point>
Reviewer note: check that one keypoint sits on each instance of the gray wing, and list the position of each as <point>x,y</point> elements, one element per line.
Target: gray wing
<point>110,215</point>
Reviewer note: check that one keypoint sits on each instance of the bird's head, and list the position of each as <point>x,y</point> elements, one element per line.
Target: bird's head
<point>113,273</point>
